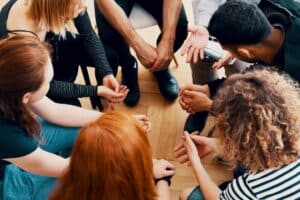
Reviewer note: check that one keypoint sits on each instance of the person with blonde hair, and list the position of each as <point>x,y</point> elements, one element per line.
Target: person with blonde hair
<point>37,134</point>
<point>257,125</point>
<point>64,24</point>
<point>111,159</point>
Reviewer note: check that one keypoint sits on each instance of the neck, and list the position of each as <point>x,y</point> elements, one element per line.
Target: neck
<point>272,45</point>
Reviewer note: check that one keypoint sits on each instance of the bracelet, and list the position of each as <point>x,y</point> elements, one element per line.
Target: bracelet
<point>165,178</point>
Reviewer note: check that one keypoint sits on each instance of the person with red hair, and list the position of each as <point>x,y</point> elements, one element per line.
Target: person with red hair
<point>36,134</point>
<point>111,159</point>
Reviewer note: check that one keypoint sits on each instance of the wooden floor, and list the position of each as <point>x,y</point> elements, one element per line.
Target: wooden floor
<point>167,118</point>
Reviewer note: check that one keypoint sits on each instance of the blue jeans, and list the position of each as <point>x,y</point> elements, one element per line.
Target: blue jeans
<point>196,194</point>
<point>19,184</point>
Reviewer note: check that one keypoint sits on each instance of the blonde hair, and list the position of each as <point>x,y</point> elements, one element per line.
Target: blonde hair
<point>258,116</point>
<point>53,15</point>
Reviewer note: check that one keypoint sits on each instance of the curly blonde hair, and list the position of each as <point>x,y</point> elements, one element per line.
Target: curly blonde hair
<point>258,115</point>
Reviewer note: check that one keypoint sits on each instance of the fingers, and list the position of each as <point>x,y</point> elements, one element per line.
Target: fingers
<point>190,54</point>
<point>183,159</point>
<point>169,172</point>
<point>199,139</point>
<point>190,93</point>
<point>196,55</point>
<point>178,146</point>
<point>170,166</point>
<point>189,142</point>
<point>192,28</point>
<point>185,47</point>
<point>201,53</point>
<point>148,126</point>
<point>180,152</point>
<point>223,61</point>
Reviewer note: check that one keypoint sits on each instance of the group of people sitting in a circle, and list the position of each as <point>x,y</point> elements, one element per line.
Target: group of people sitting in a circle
<point>51,148</point>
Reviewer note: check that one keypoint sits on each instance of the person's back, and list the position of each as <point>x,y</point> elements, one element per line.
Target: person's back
<point>257,114</point>
<point>111,159</point>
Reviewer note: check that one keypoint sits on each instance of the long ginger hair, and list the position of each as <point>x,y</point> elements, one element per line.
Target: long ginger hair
<point>23,61</point>
<point>111,159</point>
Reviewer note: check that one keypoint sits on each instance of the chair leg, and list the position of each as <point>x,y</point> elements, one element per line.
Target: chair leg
<point>87,81</point>
<point>175,60</point>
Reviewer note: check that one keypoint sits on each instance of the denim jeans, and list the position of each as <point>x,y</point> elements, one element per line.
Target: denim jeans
<point>19,184</point>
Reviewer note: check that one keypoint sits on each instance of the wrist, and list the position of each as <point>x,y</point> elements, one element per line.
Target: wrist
<point>166,179</point>
<point>136,42</point>
<point>168,39</point>
<point>99,90</point>
<point>208,105</point>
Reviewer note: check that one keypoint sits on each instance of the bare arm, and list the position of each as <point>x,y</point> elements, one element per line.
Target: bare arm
<point>171,10</point>
<point>163,190</point>
<point>118,19</point>
<point>209,189</point>
<point>42,163</point>
<point>63,114</point>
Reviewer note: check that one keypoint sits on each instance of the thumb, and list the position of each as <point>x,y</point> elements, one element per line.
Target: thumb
<point>190,93</point>
<point>192,28</point>
<point>169,172</point>
<point>117,88</point>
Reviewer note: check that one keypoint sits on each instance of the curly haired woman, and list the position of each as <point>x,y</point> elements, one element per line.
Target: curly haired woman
<point>257,125</point>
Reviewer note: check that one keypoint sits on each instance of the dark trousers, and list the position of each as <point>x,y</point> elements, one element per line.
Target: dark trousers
<point>67,55</point>
<point>117,50</point>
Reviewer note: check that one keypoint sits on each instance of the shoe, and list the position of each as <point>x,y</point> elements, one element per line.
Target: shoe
<point>130,79</point>
<point>167,84</point>
<point>195,122</point>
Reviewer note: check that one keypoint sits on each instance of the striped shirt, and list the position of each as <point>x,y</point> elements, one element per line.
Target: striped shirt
<point>282,183</point>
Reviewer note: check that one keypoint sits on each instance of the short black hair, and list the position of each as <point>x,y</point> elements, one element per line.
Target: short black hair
<point>239,22</point>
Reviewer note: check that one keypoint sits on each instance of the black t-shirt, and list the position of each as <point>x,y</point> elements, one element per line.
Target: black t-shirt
<point>14,142</point>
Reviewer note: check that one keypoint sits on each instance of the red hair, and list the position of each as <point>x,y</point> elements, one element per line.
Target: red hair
<point>23,61</point>
<point>111,159</point>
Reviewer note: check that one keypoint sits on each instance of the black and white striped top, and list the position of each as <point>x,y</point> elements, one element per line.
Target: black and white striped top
<point>282,183</point>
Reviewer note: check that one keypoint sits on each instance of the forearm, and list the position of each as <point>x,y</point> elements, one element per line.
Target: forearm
<point>71,90</point>
<point>63,114</point>
<point>42,163</point>
<point>163,190</point>
<point>171,11</point>
<point>118,19</point>
<point>209,189</point>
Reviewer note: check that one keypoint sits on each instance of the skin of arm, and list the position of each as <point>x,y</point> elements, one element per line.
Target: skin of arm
<point>118,19</point>
<point>209,189</point>
<point>63,114</point>
<point>171,11</point>
<point>42,163</point>
<point>163,190</point>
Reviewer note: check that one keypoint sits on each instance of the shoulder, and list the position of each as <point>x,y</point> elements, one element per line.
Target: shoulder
<point>238,189</point>
<point>14,141</point>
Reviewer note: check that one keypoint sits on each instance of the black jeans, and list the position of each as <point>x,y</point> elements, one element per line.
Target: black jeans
<point>67,55</point>
<point>117,50</point>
